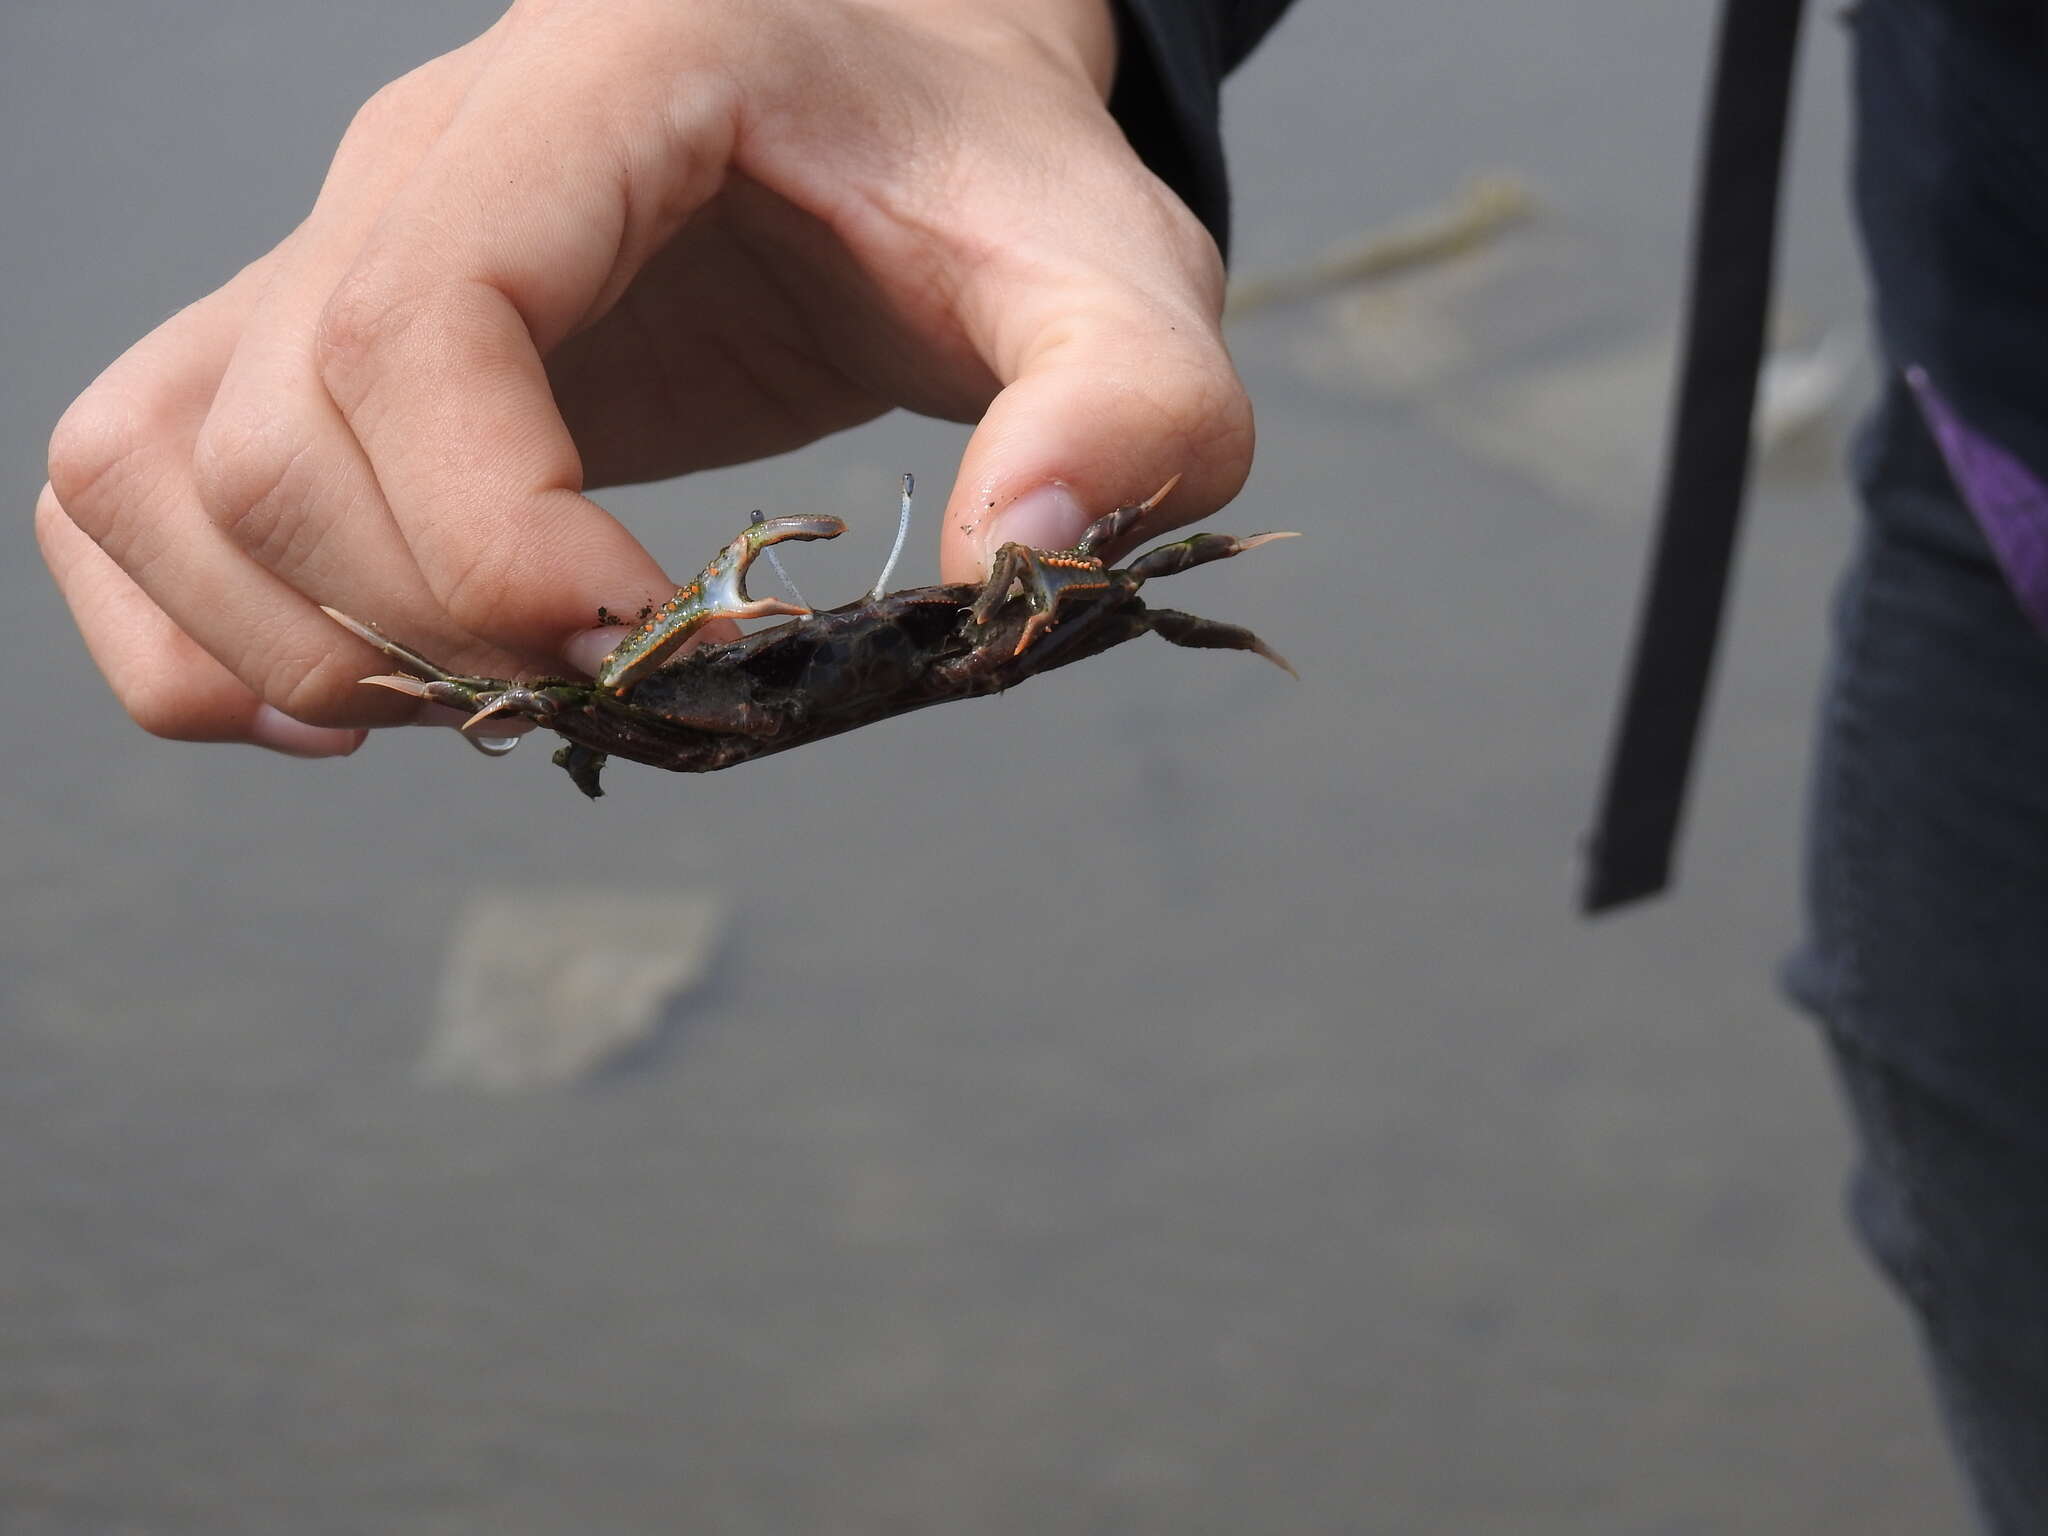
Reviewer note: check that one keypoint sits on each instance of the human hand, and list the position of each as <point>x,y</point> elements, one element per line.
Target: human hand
<point>617,241</point>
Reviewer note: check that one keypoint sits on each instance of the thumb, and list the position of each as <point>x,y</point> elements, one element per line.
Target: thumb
<point>1101,417</point>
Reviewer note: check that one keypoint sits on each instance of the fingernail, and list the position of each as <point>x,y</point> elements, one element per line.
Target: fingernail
<point>586,652</point>
<point>1046,518</point>
<point>588,649</point>
<point>278,731</point>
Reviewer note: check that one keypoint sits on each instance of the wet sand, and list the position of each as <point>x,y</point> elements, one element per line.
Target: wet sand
<point>1167,1098</point>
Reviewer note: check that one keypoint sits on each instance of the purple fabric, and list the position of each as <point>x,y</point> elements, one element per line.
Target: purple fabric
<point>2010,502</point>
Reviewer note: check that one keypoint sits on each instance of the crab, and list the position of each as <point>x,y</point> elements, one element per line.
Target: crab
<point>825,672</point>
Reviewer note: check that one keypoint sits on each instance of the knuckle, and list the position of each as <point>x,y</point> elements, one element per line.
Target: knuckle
<point>315,692</point>
<point>364,321</point>
<point>474,586</point>
<point>395,118</point>
<point>394,310</point>
<point>241,462</point>
<point>388,107</point>
<point>101,434</point>
<point>356,319</point>
<point>295,669</point>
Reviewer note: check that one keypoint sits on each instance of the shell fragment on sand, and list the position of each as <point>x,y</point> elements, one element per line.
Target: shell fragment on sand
<point>543,988</point>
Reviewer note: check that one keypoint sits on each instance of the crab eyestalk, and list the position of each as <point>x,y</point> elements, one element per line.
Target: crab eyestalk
<point>719,592</point>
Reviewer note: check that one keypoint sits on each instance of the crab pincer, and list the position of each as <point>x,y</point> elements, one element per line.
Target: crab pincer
<point>718,592</point>
<point>1049,577</point>
<point>431,683</point>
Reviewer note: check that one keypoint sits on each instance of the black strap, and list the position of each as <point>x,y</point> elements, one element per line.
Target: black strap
<point>1629,850</point>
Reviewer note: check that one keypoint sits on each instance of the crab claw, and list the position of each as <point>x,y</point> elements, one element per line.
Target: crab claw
<point>719,592</point>
<point>1115,527</point>
<point>522,702</point>
<point>1171,559</point>
<point>436,685</point>
<point>1048,577</point>
<point>1198,634</point>
<point>407,685</point>
<point>449,693</point>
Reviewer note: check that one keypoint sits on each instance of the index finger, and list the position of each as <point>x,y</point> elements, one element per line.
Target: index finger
<point>519,226</point>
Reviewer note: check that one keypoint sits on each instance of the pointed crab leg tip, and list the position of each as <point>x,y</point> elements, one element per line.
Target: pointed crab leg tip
<point>1034,626</point>
<point>1259,647</point>
<point>1265,538</point>
<point>496,706</point>
<point>410,686</point>
<point>355,627</point>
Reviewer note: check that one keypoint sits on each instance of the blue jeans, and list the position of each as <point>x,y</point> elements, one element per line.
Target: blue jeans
<point>1927,951</point>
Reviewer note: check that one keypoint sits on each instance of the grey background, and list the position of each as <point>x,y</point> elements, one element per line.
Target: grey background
<point>1166,1099</point>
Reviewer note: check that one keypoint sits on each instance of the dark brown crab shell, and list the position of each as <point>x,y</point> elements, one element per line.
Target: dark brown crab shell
<point>839,669</point>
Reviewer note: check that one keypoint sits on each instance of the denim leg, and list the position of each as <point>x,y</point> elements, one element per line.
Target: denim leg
<point>1928,951</point>
<point>1944,1206</point>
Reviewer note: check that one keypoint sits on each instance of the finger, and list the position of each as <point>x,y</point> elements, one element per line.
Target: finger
<point>275,467</point>
<point>1084,290</point>
<point>1116,394</point>
<point>431,346</point>
<point>121,467</point>
<point>168,685</point>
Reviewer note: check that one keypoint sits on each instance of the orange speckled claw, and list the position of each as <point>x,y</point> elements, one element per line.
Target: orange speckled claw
<point>1048,576</point>
<point>719,592</point>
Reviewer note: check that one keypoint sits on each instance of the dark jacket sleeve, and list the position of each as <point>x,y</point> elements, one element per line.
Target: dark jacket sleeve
<point>1172,57</point>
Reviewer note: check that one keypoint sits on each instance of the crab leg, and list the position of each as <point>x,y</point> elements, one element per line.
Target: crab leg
<point>1171,559</point>
<point>436,685</point>
<point>525,703</point>
<point>719,592</point>
<point>1197,634</point>
<point>405,656</point>
<point>1048,576</point>
<point>1114,526</point>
